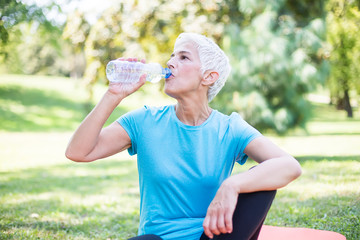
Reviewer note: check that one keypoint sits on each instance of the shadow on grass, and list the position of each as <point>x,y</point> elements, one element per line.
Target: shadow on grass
<point>328,158</point>
<point>328,113</point>
<point>30,109</point>
<point>55,219</point>
<point>74,178</point>
<point>334,134</point>
<point>96,200</point>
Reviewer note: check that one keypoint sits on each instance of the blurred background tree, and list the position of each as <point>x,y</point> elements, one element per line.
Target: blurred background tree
<point>279,49</point>
<point>343,23</point>
<point>13,12</point>
<point>278,56</point>
<point>29,42</point>
<point>75,32</point>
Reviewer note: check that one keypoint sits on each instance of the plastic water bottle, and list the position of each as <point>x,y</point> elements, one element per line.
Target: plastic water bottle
<point>127,72</point>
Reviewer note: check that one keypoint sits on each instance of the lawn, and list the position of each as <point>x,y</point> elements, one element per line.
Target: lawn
<point>45,196</point>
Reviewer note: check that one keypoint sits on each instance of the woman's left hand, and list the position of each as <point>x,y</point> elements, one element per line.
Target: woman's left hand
<point>220,212</point>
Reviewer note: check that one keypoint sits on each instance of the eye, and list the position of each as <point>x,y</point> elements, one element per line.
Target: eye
<point>183,57</point>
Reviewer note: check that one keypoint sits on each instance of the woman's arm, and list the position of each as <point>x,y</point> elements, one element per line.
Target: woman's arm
<point>91,141</point>
<point>276,169</point>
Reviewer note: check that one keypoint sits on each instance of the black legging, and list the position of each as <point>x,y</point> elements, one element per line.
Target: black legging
<point>249,216</point>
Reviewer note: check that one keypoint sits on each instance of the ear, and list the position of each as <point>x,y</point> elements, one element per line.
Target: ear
<point>210,77</point>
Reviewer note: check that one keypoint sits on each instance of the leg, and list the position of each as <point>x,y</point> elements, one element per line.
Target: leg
<point>249,215</point>
<point>146,237</point>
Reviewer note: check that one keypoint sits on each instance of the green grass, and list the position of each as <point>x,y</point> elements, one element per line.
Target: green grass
<point>326,197</point>
<point>45,196</point>
<point>72,201</point>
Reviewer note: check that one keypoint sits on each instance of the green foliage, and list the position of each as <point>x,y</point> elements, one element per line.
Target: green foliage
<point>276,62</point>
<point>75,32</point>
<point>13,12</point>
<point>343,35</point>
<point>30,43</point>
<point>36,49</point>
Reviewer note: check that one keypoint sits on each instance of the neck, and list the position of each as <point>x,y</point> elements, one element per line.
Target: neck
<point>192,113</point>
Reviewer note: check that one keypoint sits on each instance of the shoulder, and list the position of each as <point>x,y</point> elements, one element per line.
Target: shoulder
<point>232,119</point>
<point>238,125</point>
<point>146,112</point>
<point>237,120</point>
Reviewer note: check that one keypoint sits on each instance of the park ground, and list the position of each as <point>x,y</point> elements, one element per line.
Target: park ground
<point>45,196</point>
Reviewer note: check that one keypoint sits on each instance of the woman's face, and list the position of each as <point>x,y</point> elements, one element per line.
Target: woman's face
<point>186,75</point>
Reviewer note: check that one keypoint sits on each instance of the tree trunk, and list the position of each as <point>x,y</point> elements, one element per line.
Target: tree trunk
<point>347,105</point>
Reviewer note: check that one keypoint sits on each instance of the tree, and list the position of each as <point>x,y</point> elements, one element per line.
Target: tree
<point>76,31</point>
<point>13,12</point>
<point>29,42</point>
<point>277,59</point>
<point>343,34</point>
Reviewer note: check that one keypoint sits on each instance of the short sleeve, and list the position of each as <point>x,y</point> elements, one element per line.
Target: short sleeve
<point>130,122</point>
<point>243,134</point>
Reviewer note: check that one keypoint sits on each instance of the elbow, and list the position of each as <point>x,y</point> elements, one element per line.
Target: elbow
<point>71,157</point>
<point>296,170</point>
<point>74,157</point>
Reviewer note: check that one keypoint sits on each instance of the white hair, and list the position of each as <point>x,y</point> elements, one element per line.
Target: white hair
<point>211,58</point>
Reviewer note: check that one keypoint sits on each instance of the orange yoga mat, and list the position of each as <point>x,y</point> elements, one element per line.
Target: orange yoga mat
<point>289,233</point>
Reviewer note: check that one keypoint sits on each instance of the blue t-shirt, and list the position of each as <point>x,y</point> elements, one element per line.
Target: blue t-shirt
<point>181,167</point>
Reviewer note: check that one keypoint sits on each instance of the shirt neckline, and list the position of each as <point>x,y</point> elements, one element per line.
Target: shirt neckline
<point>181,124</point>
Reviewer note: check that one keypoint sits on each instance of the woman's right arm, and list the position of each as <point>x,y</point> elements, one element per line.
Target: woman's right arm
<point>91,141</point>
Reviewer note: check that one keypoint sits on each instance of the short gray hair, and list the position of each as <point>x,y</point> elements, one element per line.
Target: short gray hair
<point>211,58</point>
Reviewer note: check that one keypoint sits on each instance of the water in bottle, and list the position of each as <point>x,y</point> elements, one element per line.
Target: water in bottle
<point>127,72</point>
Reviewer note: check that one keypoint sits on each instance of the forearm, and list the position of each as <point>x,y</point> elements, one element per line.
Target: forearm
<point>86,136</point>
<point>276,170</point>
<point>269,175</point>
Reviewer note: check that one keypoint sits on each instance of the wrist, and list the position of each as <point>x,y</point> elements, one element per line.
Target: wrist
<point>113,97</point>
<point>232,183</point>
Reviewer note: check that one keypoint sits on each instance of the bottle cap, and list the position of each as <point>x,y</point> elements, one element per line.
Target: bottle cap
<point>167,72</point>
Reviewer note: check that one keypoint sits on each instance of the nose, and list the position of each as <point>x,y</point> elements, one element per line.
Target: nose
<point>170,63</point>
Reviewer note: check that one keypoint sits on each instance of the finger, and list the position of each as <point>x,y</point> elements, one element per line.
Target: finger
<point>141,81</point>
<point>143,78</point>
<point>213,225</point>
<point>206,226</point>
<point>228,221</point>
<point>221,223</point>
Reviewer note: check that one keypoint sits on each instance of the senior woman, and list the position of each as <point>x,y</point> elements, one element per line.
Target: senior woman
<point>186,152</point>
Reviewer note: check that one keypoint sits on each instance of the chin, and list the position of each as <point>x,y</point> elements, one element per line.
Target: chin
<point>171,92</point>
